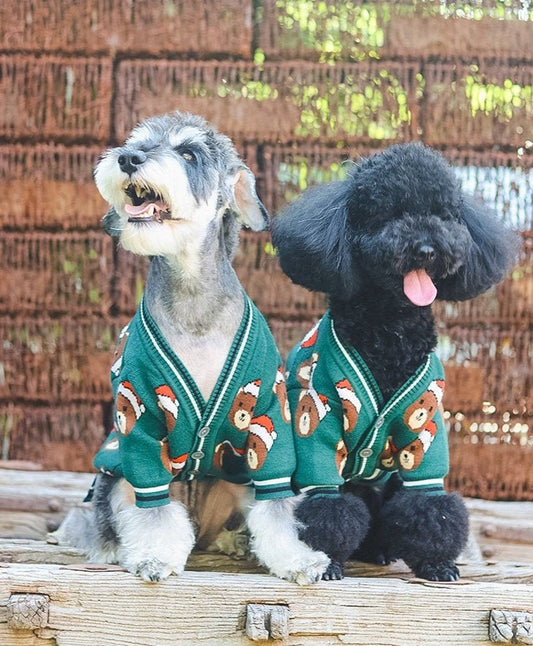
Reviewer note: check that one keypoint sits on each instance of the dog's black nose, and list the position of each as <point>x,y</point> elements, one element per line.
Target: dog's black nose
<point>131,160</point>
<point>425,253</point>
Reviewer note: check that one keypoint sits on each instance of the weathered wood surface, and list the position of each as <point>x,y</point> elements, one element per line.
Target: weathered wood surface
<point>40,552</point>
<point>49,596</point>
<point>88,608</point>
<point>504,530</point>
<point>34,502</point>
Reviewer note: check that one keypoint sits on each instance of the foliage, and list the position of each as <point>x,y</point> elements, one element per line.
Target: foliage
<point>356,30</point>
<point>504,101</point>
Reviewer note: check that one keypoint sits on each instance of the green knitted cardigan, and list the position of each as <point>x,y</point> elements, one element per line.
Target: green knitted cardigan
<point>344,431</point>
<point>165,430</point>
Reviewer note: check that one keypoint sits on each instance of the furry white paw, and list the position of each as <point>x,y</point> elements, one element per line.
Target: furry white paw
<point>276,545</point>
<point>306,570</point>
<point>155,543</point>
<point>153,570</point>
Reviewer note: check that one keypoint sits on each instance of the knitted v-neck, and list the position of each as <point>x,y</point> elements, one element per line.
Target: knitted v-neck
<point>164,429</point>
<point>329,383</point>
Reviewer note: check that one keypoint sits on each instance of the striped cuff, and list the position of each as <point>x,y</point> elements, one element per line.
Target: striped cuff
<point>152,496</point>
<point>273,489</point>
<point>431,487</point>
<point>329,491</point>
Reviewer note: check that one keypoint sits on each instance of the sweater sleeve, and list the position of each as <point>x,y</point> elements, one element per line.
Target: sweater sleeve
<point>141,433</point>
<point>269,450</point>
<point>423,462</point>
<point>320,449</point>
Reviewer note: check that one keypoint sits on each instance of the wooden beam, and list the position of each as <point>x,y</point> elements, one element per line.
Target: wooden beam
<point>39,552</point>
<point>34,502</point>
<point>209,609</point>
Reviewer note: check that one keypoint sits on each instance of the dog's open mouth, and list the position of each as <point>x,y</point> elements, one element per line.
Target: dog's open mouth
<point>146,206</point>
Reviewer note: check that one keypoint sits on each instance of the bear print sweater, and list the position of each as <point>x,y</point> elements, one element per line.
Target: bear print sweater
<point>165,430</point>
<point>344,431</point>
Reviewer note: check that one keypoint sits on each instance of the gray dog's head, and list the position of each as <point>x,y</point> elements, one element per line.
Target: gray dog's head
<point>173,182</point>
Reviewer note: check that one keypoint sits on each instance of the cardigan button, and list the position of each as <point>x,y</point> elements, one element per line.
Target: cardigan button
<point>366,453</point>
<point>197,455</point>
<point>204,431</point>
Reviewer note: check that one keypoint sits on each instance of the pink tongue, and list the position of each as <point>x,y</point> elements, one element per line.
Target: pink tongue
<point>419,288</point>
<point>146,208</point>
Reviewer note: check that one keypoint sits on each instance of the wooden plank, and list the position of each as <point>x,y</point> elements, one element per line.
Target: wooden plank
<point>39,552</point>
<point>503,530</point>
<point>34,502</point>
<point>114,607</point>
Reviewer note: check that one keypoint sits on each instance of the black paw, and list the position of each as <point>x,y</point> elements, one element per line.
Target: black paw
<point>446,571</point>
<point>334,572</point>
<point>367,554</point>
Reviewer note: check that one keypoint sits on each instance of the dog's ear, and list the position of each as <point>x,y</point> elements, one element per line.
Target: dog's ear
<point>111,223</point>
<point>313,240</point>
<point>494,252</point>
<point>244,202</point>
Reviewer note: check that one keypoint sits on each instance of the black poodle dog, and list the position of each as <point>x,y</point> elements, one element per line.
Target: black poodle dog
<point>365,386</point>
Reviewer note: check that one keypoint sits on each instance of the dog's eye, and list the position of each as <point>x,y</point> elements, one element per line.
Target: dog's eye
<point>187,154</point>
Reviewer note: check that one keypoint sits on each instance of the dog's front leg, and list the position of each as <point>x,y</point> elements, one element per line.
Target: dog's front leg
<point>155,542</point>
<point>337,526</point>
<point>427,532</point>
<point>275,542</point>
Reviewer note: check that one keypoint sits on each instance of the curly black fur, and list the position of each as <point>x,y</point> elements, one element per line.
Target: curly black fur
<point>336,526</point>
<point>356,240</point>
<point>425,532</point>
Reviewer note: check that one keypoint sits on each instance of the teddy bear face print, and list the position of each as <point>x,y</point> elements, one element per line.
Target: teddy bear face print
<point>168,403</point>
<point>351,405</point>
<point>256,453</point>
<point>341,455</point>
<point>411,456</point>
<point>260,440</point>
<point>306,416</point>
<point>243,406</point>
<point>128,408</point>
<point>422,411</point>
<point>280,390</point>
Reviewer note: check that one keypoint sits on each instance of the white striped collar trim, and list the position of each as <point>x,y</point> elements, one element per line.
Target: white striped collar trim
<point>403,393</point>
<point>274,481</point>
<point>424,483</point>
<point>236,361</point>
<point>390,406</point>
<point>311,487</point>
<point>169,363</point>
<point>151,489</point>
<point>355,368</point>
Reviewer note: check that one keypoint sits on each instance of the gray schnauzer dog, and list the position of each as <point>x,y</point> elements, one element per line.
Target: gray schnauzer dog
<point>199,393</point>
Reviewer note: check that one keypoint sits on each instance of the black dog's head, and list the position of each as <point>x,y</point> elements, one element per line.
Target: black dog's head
<point>399,223</point>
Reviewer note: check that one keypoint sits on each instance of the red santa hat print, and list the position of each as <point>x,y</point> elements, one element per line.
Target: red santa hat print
<point>168,403</point>
<point>437,388</point>
<point>263,428</point>
<point>252,388</point>
<point>310,338</point>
